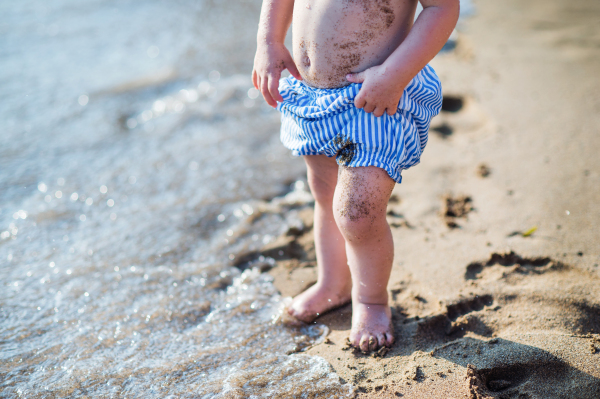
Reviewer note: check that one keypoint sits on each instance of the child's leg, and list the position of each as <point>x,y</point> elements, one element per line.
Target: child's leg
<point>360,205</point>
<point>334,284</point>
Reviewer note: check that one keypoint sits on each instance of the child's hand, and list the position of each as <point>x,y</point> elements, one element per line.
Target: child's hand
<point>379,93</point>
<point>269,61</point>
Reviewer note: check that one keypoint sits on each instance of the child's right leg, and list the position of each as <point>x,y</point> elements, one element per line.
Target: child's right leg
<point>360,206</point>
<point>334,284</point>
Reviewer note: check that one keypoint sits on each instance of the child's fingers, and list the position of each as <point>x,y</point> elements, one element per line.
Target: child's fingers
<point>356,77</point>
<point>359,101</point>
<point>264,89</point>
<point>293,70</point>
<point>391,111</point>
<point>258,82</point>
<point>369,108</point>
<point>255,79</point>
<point>274,88</point>
<point>378,111</point>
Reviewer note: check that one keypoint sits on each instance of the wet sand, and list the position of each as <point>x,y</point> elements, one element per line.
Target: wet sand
<point>494,287</point>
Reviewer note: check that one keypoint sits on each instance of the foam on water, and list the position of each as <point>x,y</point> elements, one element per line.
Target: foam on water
<point>125,321</point>
<point>136,163</point>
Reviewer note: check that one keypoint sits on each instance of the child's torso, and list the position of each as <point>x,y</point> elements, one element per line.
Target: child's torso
<point>332,38</point>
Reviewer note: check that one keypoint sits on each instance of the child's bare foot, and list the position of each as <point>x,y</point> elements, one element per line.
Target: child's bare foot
<point>371,326</point>
<point>317,300</point>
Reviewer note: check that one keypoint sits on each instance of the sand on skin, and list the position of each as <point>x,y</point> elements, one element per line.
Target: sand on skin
<point>479,309</point>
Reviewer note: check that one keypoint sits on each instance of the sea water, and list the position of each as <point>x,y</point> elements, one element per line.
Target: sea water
<point>136,163</point>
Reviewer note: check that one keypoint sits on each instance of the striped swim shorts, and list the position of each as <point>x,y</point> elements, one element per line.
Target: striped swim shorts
<point>326,122</point>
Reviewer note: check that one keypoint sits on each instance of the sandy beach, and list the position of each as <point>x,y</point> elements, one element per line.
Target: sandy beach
<point>494,288</point>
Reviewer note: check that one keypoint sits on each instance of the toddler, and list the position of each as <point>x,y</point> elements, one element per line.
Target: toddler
<point>357,107</point>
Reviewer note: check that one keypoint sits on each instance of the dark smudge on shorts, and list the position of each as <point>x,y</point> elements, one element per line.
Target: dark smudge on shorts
<point>346,152</point>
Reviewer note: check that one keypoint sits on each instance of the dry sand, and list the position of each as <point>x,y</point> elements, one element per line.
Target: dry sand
<point>483,305</point>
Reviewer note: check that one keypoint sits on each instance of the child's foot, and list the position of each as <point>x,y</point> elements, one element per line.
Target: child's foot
<point>317,300</point>
<point>371,326</point>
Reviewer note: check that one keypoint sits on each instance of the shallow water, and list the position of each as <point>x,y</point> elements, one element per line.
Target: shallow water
<point>136,162</point>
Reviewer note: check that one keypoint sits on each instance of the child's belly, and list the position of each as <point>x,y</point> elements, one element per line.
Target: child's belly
<point>332,38</point>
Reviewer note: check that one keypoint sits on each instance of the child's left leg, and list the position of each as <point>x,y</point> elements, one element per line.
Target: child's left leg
<point>360,205</point>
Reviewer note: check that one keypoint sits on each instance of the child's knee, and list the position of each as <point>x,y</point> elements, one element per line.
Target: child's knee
<point>357,219</point>
<point>321,189</point>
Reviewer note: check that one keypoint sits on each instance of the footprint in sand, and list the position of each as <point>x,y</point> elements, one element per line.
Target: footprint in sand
<point>459,318</point>
<point>460,116</point>
<point>515,263</point>
<point>450,104</point>
<point>569,302</point>
<point>456,208</point>
<point>508,369</point>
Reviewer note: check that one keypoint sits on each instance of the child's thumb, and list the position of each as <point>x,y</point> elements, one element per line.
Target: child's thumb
<point>356,77</point>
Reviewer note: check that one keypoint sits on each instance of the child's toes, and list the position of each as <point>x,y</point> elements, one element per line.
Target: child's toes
<point>366,341</point>
<point>373,344</point>
<point>389,339</point>
<point>292,312</point>
<point>296,313</point>
<point>381,340</point>
<point>354,339</point>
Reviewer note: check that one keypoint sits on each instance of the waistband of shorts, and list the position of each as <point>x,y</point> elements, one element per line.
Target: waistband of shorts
<point>300,85</point>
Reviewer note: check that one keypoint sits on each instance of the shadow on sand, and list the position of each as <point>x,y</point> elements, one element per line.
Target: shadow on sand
<point>503,369</point>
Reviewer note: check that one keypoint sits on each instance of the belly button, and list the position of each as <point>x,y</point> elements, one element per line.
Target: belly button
<point>306,61</point>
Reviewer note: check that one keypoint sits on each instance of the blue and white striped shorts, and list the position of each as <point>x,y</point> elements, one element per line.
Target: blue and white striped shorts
<point>326,122</point>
